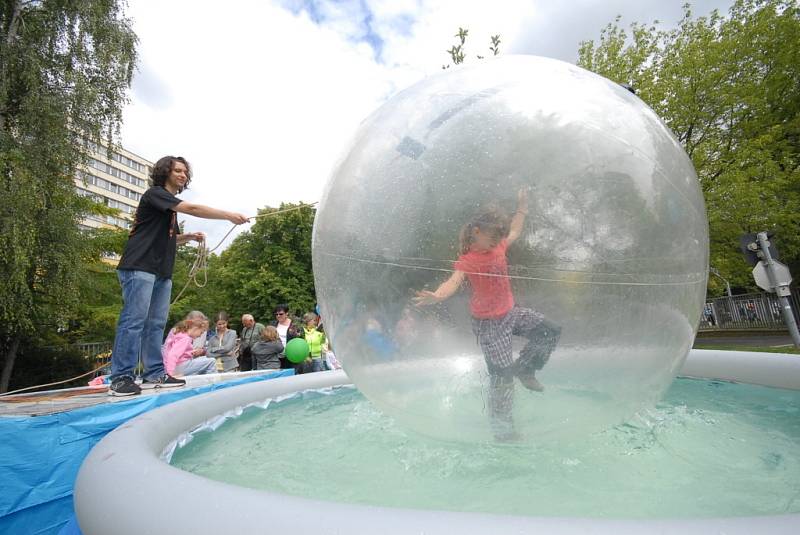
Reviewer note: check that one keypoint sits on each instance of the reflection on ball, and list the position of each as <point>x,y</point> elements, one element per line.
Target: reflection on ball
<point>568,228</point>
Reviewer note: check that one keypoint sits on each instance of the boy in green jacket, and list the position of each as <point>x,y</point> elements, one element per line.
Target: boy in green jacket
<point>316,340</point>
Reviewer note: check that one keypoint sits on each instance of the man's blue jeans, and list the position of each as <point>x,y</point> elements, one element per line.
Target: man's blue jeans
<point>140,329</point>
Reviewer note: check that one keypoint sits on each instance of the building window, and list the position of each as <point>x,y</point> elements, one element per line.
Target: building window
<point>127,208</point>
<point>106,185</point>
<point>124,160</point>
<point>119,173</point>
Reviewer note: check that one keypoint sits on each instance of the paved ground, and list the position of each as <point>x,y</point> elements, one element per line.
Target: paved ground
<point>744,339</point>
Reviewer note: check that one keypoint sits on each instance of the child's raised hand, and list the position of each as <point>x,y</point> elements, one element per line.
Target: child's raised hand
<point>425,297</point>
<point>522,200</point>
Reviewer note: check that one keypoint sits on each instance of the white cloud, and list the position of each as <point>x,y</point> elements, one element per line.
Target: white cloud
<point>262,101</point>
<point>262,97</point>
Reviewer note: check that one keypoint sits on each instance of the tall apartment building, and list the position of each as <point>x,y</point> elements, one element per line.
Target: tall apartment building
<point>118,182</point>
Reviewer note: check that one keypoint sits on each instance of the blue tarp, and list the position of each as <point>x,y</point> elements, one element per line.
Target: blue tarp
<point>40,455</point>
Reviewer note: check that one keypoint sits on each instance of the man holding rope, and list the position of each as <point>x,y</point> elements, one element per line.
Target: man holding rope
<point>145,274</point>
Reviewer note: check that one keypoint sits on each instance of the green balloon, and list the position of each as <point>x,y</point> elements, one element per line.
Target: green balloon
<point>297,350</point>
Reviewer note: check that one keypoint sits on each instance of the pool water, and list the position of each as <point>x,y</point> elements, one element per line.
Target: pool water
<point>708,449</point>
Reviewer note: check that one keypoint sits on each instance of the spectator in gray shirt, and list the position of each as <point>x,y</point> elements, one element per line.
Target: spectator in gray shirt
<point>251,334</point>
<point>222,345</point>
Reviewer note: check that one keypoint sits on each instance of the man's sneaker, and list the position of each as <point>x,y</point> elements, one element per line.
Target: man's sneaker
<point>124,386</point>
<point>165,381</point>
<point>530,382</point>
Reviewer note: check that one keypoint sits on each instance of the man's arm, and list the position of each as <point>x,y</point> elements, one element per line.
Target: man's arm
<point>206,212</point>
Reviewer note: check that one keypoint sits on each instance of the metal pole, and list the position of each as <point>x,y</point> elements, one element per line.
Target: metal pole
<point>786,306</point>
<point>715,271</point>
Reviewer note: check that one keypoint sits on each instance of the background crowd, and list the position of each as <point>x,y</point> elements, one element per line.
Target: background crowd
<point>197,345</point>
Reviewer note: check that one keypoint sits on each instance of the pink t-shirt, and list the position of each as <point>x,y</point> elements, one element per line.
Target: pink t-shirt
<point>177,349</point>
<point>487,272</point>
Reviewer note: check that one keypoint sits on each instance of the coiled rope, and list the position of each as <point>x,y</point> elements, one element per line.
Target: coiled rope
<point>200,265</point>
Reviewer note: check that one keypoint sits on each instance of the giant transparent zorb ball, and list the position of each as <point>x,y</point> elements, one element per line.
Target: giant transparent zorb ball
<point>614,249</point>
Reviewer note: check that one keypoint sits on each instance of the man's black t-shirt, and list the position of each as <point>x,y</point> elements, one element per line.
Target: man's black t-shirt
<point>152,240</point>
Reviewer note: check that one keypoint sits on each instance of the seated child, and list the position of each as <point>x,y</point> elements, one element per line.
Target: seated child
<point>178,353</point>
<point>331,361</point>
<point>267,351</point>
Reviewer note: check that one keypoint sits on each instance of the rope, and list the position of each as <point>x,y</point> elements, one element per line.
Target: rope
<point>522,277</point>
<point>201,261</point>
<point>57,382</point>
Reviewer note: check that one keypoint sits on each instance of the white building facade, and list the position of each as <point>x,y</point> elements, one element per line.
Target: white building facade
<point>117,182</point>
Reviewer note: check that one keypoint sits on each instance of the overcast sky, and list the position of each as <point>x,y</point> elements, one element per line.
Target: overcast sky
<point>261,96</point>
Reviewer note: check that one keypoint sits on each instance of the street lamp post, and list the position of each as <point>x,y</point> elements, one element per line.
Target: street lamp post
<point>714,271</point>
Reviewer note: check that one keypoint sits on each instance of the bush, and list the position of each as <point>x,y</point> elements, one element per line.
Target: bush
<point>41,365</point>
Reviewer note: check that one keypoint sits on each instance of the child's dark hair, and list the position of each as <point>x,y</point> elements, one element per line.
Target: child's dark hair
<point>491,221</point>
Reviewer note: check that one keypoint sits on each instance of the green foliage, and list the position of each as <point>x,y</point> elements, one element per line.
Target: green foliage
<point>104,243</point>
<point>729,88</point>
<point>65,68</point>
<point>39,365</point>
<point>264,266</point>
<point>100,300</point>
<point>495,47</point>
<point>457,51</point>
<point>100,304</point>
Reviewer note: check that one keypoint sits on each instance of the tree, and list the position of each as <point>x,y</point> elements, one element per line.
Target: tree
<point>729,88</point>
<point>457,51</point>
<point>65,68</point>
<point>264,266</point>
<point>100,300</point>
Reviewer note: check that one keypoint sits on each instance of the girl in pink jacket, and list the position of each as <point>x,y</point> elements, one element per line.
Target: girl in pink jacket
<point>177,351</point>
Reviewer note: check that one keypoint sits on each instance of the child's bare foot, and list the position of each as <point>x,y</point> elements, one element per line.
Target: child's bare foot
<point>530,382</point>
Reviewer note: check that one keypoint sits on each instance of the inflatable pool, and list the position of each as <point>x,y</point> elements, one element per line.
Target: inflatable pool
<point>159,498</point>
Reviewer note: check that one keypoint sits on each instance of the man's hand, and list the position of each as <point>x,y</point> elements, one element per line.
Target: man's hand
<point>237,219</point>
<point>199,237</point>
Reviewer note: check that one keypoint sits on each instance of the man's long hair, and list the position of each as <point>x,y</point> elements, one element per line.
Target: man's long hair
<point>162,168</point>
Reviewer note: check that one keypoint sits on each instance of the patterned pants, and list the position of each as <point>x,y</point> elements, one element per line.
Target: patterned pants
<point>495,338</point>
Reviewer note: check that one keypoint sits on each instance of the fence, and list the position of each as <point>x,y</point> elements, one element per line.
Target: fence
<point>93,349</point>
<point>96,353</point>
<point>100,352</point>
<point>747,311</point>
